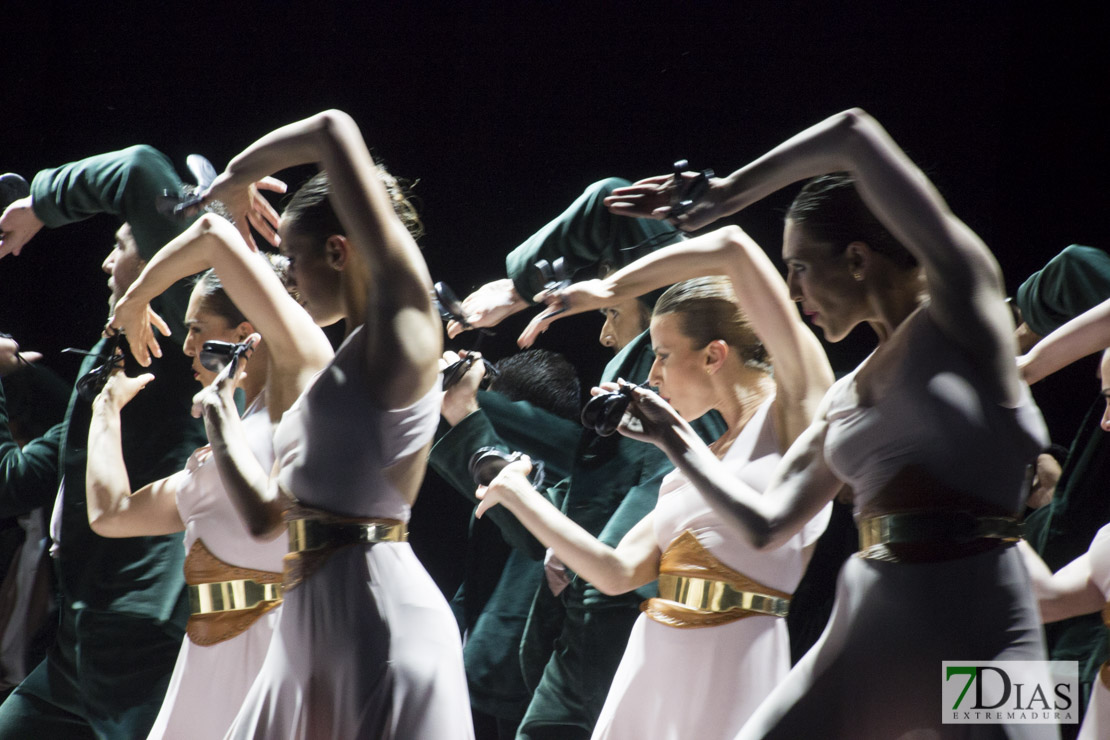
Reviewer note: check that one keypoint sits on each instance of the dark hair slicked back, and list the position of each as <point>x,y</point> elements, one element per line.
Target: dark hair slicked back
<point>830,210</point>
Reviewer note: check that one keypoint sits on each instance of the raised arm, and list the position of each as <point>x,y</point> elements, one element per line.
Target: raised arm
<point>1070,592</point>
<point>297,347</point>
<point>965,282</point>
<point>113,510</point>
<point>800,487</point>
<point>1086,334</point>
<point>585,236</point>
<point>252,490</point>
<point>402,330</point>
<point>802,372</point>
<point>633,563</point>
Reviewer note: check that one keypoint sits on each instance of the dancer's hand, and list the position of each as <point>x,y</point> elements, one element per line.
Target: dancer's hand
<point>137,320</point>
<point>649,417</point>
<point>120,389</point>
<point>461,399</point>
<point>17,225</point>
<point>651,198</point>
<point>510,485</point>
<point>11,359</point>
<point>246,204</point>
<point>587,295</point>
<point>488,306</point>
<point>220,394</point>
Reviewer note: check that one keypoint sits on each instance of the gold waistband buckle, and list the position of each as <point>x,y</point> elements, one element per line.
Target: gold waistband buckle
<point>227,596</point>
<point>710,595</point>
<point>311,534</point>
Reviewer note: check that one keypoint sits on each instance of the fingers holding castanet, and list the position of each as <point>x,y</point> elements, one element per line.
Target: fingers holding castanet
<point>505,487</point>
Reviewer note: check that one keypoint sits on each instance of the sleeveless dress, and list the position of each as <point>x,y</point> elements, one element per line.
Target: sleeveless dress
<point>876,670</point>
<point>1096,724</point>
<point>367,646</point>
<point>676,683</point>
<point>209,682</point>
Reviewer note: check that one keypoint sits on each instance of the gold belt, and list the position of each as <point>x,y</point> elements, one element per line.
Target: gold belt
<point>705,594</point>
<point>309,534</point>
<point>227,596</point>
<point>929,528</point>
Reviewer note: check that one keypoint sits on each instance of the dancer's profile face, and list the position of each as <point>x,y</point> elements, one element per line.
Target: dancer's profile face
<point>123,264</point>
<point>623,323</point>
<point>680,372</point>
<point>202,325</point>
<point>316,281</point>
<point>822,283</point>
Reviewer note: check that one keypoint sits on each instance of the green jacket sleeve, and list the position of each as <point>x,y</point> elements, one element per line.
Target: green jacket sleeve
<point>1072,282</point>
<point>450,457</point>
<point>28,476</point>
<point>125,183</point>
<point>537,433</point>
<point>585,236</point>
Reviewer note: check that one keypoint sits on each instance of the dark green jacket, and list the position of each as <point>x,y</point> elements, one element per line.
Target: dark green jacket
<point>504,565</point>
<point>28,477</point>
<point>587,237</point>
<point>125,184</point>
<point>137,576</point>
<point>1072,282</point>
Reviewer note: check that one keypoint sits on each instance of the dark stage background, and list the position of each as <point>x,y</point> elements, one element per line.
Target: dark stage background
<point>506,111</point>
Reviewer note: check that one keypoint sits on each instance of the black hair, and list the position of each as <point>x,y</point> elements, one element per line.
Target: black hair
<point>831,211</point>
<point>216,300</point>
<point>310,211</point>
<point>543,378</point>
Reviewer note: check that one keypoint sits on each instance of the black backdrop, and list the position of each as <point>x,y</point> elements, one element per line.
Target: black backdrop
<point>506,111</point>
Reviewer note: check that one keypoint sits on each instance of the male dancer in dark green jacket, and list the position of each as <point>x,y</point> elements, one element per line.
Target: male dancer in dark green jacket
<point>574,640</point>
<point>1074,281</point>
<point>122,601</point>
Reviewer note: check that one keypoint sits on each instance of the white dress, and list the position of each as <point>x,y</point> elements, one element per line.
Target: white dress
<point>704,682</point>
<point>209,683</point>
<point>1096,723</point>
<point>367,646</point>
<point>875,671</point>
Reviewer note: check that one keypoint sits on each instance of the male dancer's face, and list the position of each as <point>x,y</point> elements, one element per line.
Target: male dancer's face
<point>123,265</point>
<point>623,323</point>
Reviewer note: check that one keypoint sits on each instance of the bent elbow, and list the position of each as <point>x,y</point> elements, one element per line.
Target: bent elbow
<point>330,122</point>
<point>97,525</point>
<point>855,120</point>
<point>767,535</point>
<point>211,224</point>
<point>618,578</point>
<point>609,587</point>
<point>102,525</point>
<point>265,528</point>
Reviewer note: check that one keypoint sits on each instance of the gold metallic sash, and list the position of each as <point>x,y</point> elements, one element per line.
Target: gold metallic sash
<point>697,590</point>
<point>315,535</point>
<point>931,532</point>
<point>225,600</point>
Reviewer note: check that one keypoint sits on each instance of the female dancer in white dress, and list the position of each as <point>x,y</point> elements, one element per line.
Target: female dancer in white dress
<point>234,580</point>
<point>699,666</point>
<point>1083,585</point>
<point>366,647</point>
<point>933,432</point>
